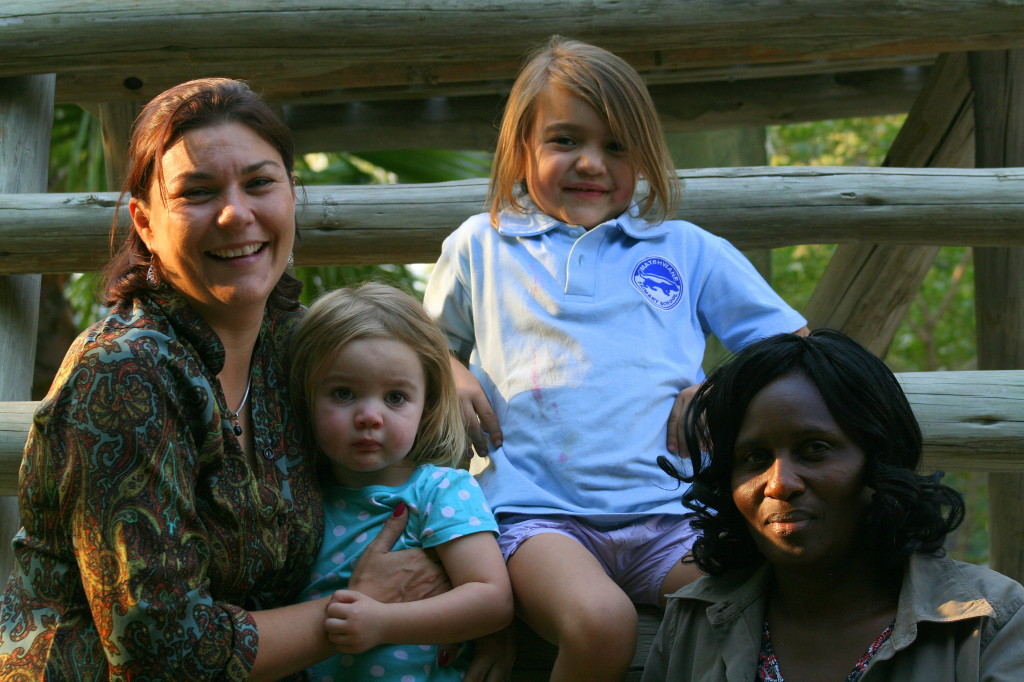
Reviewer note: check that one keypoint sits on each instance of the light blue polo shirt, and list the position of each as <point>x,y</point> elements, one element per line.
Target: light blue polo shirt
<point>582,340</point>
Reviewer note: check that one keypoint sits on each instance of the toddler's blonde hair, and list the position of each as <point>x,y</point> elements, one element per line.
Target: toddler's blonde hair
<point>375,310</point>
<point>616,92</point>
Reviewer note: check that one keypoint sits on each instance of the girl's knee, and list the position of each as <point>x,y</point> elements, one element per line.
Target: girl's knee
<point>600,623</point>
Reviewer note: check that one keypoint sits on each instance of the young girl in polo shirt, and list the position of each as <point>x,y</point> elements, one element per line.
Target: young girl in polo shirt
<point>581,309</point>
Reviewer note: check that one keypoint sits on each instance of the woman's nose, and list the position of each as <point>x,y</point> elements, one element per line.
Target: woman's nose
<point>236,210</point>
<point>783,480</point>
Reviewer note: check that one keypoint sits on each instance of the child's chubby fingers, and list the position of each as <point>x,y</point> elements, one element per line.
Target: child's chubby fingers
<point>349,642</point>
<point>342,634</point>
<point>351,625</point>
<point>343,597</point>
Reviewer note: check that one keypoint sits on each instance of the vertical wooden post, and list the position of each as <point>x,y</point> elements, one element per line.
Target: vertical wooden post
<point>116,120</point>
<point>26,109</point>
<point>867,288</point>
<point>998,81</point>
<point>722,149</point>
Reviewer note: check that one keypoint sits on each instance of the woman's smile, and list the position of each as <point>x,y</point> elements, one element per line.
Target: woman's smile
<point>222,229</point>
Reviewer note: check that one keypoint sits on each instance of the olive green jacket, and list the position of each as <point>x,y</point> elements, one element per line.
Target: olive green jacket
<point>954,621</point>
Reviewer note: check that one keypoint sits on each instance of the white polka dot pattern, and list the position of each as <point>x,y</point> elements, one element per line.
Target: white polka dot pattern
<point>444,504</point>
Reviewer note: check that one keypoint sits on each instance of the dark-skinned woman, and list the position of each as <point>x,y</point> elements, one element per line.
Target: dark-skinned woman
<point>822,544</point>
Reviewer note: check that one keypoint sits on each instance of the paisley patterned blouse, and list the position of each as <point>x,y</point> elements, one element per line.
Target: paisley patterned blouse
<point>147,535</point>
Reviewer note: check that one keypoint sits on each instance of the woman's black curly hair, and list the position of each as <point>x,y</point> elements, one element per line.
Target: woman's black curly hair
<point>908,513</point>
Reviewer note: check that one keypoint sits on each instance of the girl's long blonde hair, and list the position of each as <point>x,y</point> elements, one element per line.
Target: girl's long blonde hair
<point>616,91</point>
<point>375,310</point>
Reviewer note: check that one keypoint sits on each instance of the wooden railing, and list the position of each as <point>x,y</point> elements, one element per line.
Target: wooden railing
<point>763,207</point>
<point>972,421</point>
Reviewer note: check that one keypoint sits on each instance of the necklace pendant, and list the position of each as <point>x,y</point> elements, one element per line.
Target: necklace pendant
<point>237,428</point>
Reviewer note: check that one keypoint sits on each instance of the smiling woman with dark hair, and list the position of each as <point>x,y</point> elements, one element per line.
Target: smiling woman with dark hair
<point>169,509</point>
<point>822,543</point>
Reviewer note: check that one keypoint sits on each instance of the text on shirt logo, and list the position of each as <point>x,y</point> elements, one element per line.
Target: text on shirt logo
<point>659,281</point>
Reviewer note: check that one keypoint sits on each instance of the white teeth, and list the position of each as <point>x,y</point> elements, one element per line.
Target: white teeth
<point>235,253</point>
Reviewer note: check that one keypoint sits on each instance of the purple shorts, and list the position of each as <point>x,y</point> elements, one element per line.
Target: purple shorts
<point>636,555</point>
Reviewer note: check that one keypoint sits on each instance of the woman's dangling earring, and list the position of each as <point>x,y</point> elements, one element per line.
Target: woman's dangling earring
<point>291,261</point>
<point>151,277</point>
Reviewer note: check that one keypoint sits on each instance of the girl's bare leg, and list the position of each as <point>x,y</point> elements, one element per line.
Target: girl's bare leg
<point>563,593</point>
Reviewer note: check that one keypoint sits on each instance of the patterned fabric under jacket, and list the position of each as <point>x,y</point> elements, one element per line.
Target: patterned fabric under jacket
<point>147,535</point>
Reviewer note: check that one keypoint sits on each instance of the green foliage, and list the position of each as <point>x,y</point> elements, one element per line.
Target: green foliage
<point>840,142</point>
<point>76,152</point>
<point>938,332</point>
<point>796,270</point>
<point>431,165</point>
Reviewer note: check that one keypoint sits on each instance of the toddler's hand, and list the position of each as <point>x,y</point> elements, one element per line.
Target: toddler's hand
<point>354,622</point>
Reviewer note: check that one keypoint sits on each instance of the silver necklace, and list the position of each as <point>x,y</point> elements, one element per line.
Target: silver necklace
<point>237,428</point>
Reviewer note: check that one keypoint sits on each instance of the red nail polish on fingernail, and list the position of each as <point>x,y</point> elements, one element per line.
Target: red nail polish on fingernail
<point>399,509</point>
<point>444,659</point>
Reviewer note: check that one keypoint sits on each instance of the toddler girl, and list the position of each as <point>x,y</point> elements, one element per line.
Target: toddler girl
<point>581,308</point>
<point>371,378</point>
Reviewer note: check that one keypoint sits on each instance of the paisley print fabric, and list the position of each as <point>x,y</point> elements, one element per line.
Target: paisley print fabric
<point>147,534</point>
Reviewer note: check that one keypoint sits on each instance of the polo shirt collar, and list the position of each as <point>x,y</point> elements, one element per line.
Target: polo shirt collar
<point>533,222</point>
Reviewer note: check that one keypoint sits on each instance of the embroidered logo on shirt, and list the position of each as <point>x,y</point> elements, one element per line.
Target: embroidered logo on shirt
<point>659,282</point>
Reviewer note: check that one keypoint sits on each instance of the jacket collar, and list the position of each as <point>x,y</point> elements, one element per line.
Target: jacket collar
<point>729,595</point>
<point>935,591</point>
<point>532,222</point>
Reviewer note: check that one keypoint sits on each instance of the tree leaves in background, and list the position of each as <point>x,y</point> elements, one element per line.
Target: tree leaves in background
<point>76,152</point>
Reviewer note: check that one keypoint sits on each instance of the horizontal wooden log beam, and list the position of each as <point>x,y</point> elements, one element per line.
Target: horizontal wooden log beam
<point>481,79</point>
<point>15,421</point>
<point>128,50</point>
<point>972,421</point>
<point>752,207</point>
<point>472,122</point>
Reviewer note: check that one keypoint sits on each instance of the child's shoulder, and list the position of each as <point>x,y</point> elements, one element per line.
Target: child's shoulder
<point>511,223</point>
<point>434,474</point>
<point>475,224</point>
<point>441,482</point>
<point>675,227</point>
<point>468,236</point>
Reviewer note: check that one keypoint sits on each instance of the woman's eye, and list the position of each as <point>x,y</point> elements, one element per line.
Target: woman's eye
<point>563,141</point>
<point>755,458</point>
<point>816,449</point>
<point>259,183</point>
<point>394,398</point>
<point>616,148</point>
<point>197,193</point>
